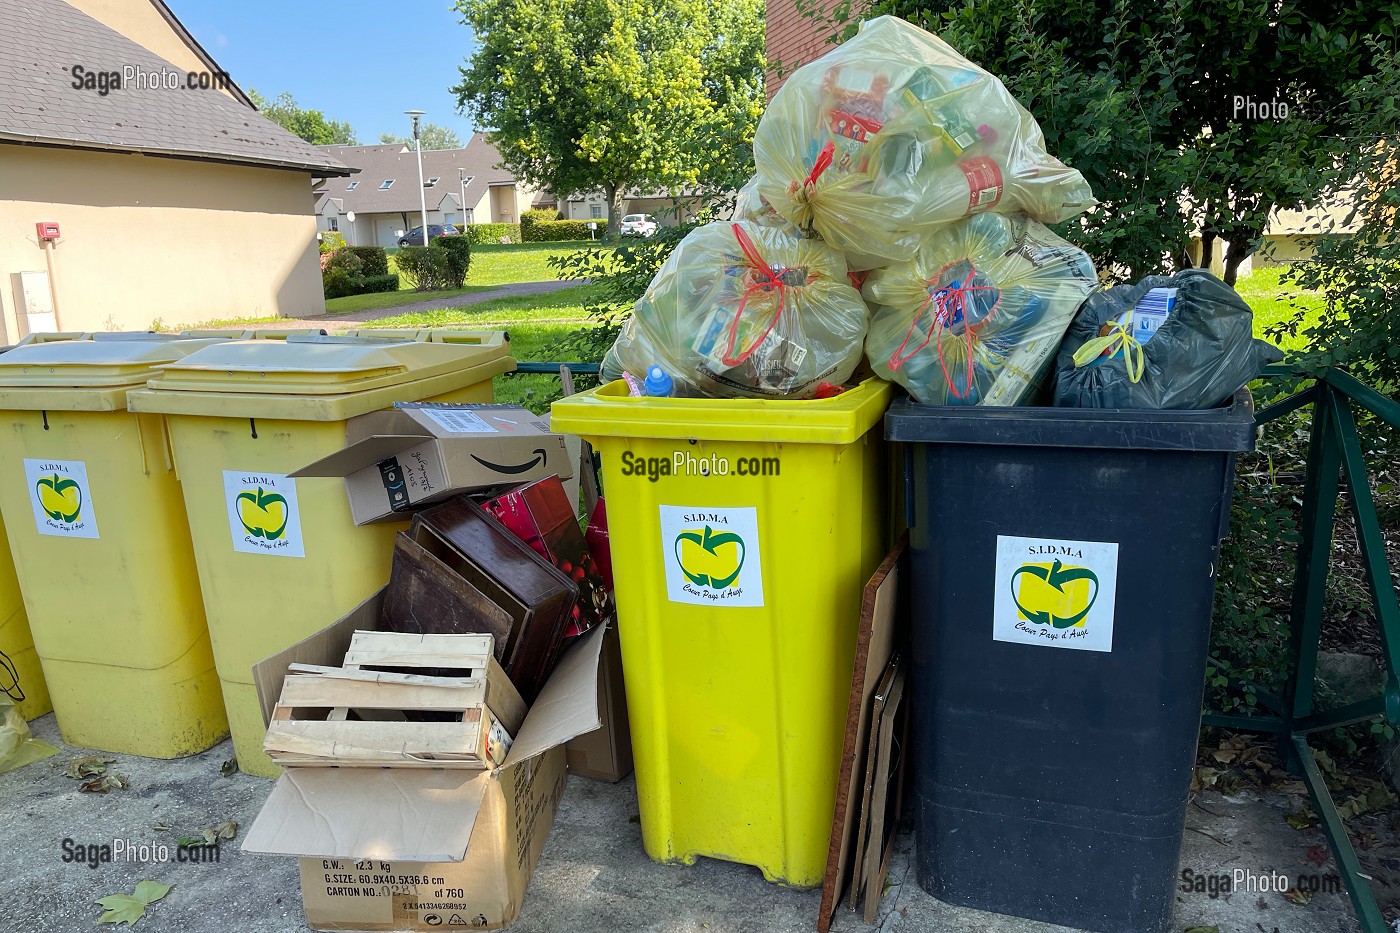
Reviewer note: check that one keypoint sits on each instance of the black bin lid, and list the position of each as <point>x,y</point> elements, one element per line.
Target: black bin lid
<point>1228,428</point>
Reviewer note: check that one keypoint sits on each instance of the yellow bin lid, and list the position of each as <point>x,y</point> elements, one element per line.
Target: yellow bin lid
<point>610,411</point>
<point>317,378</point>
<point>86,375</point>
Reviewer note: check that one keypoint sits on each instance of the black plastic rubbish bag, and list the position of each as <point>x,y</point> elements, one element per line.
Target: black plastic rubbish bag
<point>1180,341</point>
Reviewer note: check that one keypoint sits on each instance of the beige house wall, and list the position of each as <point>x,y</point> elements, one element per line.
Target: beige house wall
<point>142,23</point>
<point>146,239</point>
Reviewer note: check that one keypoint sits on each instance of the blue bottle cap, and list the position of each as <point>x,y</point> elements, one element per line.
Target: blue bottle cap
<point>659,383</point>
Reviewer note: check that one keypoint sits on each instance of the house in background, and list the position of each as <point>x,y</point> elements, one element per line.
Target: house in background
<point>666,210</point>
<point>463,186</point>
<point>176,205</point>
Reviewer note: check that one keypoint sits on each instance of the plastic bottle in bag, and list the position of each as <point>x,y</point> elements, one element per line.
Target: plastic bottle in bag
<point>893,133</point>
<point>976,316</point>
<point>745,310</point>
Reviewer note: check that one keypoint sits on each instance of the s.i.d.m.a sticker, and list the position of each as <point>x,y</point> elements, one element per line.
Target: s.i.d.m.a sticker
<point>1056,592</point>
<point>711,555</point>
<point>61,497</point>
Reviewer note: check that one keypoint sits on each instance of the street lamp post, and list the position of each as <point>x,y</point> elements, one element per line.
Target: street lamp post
<point>422,192</point>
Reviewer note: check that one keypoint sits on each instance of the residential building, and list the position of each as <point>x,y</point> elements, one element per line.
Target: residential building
<point>172,204</point>
<point>463,186</point>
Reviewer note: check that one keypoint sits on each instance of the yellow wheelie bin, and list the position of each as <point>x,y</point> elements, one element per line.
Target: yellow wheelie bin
<point>21,677</point>
<point>742,534</point>
<point>96,525</point>
<point>280,558</point>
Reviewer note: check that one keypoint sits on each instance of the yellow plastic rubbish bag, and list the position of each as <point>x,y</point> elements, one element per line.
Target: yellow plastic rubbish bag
<point>752,206</point>
<point>894,132</point>
<point>17,747</point>
<point>744,310</point>
<point>976,317</point>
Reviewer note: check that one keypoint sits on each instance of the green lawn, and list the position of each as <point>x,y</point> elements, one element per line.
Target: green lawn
<point>492,265</point>
<point>536,324</point>
<point>1273,301</point>
<point>503,263</point>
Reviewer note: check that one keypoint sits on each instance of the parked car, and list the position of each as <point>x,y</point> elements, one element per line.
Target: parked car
<point>414,237</point>
<point>637,225</point>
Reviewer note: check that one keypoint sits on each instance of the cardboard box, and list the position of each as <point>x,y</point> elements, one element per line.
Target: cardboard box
<point>418,453</point>
<point>423,849</point>
<point>542,515</point>
<point>606,753</point>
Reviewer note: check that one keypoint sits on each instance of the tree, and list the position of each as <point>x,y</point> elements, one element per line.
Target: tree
<point>1173,109</point>
<point>617,94</point>
<point>430,135</point>
<point>310,125</point>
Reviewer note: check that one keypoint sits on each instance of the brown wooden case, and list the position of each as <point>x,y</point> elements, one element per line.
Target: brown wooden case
<point>458,570</point>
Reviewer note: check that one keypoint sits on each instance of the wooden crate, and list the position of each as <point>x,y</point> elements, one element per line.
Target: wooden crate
<point>312,723</point>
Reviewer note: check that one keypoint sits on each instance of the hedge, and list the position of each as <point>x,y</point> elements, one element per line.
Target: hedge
<point>373,260</point>
<point>552,231</point>
<point>490,233</point>
<point>388,282</point>
<point>350,270</point>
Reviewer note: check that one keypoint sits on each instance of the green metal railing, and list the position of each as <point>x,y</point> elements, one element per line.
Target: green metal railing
<point>1334,457</point>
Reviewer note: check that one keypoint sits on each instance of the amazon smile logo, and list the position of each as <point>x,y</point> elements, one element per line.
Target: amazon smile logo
<point>540,459</point>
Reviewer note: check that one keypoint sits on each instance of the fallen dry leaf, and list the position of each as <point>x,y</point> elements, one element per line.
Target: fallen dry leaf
<point>103,783</point>
<point>87,766</point>
<point>128,908</point>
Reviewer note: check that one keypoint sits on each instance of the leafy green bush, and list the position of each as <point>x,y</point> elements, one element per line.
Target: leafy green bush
<point>553,231</point>
<point>423,267</point>
<point>459,253</point>
<point>341,273</point>
<point>331,240</point>
<point>539,215</point>
<point>481,234</point>
<point>373,259</point>
<point>388,282</point>
<point>1356,269</point>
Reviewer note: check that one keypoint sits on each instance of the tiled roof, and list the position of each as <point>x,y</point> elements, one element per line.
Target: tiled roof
<point>378,164</point>
<point>42,39</point>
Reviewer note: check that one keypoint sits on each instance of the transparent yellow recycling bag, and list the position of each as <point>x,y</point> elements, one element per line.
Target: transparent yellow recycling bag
<point>745,310</point>
<point>976,316</point>
<point>894,133</point>
<point>17,747</point>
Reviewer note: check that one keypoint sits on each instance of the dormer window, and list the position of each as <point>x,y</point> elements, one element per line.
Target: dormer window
<point>386,184</point>
<point>431,181</point>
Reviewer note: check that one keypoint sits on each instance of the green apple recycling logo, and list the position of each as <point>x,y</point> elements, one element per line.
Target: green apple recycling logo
<point>710,558</point>
<point>1061,600</point>
<point>263,513</point>
<point>60,498</point>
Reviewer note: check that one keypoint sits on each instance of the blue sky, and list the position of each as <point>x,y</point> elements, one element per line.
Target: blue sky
<point>354,60</point>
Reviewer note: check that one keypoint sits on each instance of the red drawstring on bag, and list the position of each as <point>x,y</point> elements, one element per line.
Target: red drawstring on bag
<point>766,280</point>
<point>948,304</point>
<point>823,162</point>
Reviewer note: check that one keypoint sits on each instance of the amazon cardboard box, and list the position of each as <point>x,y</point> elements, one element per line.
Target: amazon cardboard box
<point>423,848</point>
<point>417,453</point>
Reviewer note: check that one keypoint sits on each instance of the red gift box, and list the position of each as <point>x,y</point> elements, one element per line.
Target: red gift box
<point>541,515</point>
